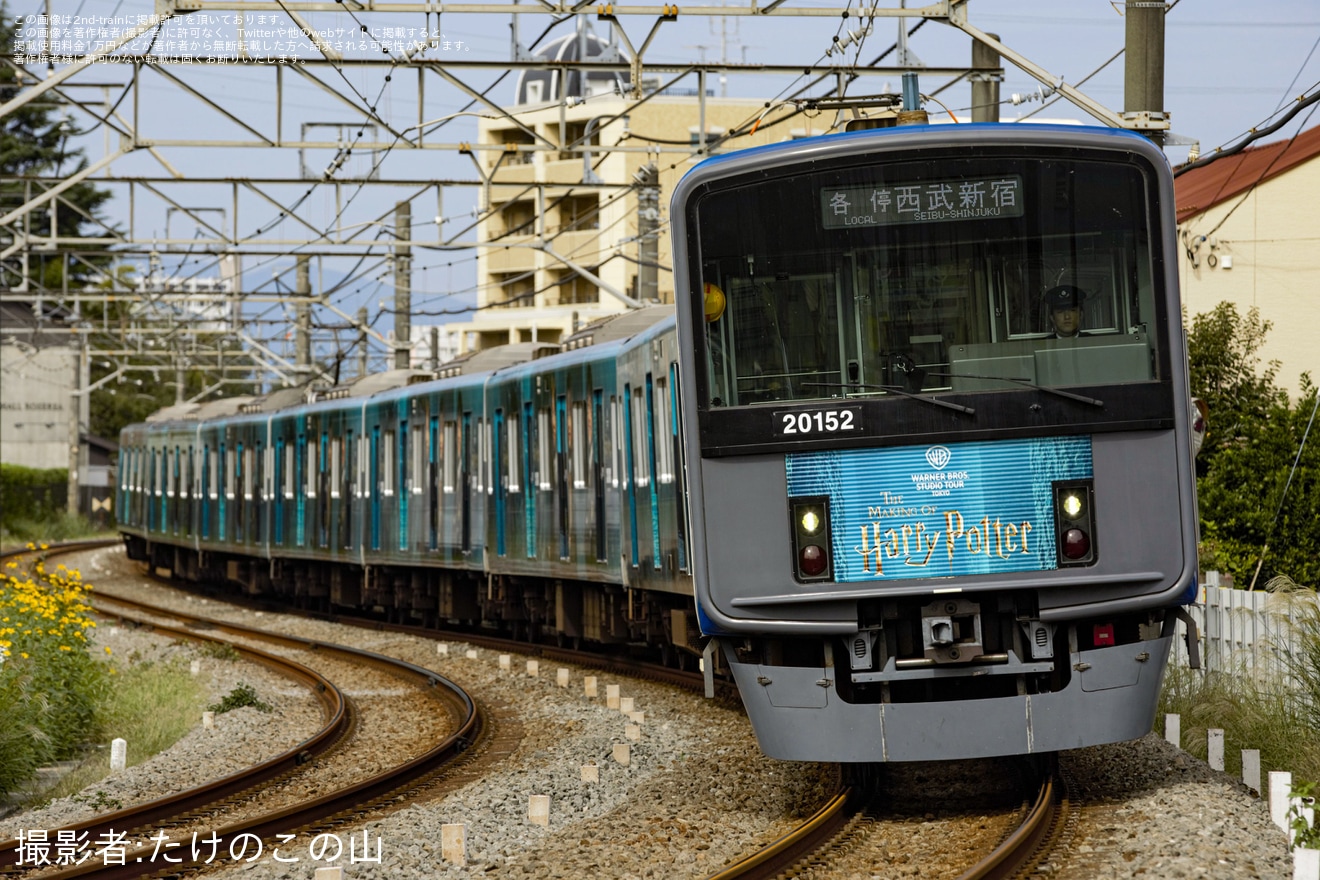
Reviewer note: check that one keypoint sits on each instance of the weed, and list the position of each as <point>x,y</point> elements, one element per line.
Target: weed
<point>218,651</point>
<point>100,802</point>
<point>243,695</point>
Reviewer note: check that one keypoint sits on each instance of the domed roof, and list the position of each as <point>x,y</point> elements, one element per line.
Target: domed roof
<point>538,86</point>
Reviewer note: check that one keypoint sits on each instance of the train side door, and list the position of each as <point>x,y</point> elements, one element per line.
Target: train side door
<point>433,484</point>
<point>630,469</point>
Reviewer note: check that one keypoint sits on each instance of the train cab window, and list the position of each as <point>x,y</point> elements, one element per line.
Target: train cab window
<point>929,276</point>
<point>577,443</point>
<point>387,464</point>
<point>450,457</point>
<point>544,436</point>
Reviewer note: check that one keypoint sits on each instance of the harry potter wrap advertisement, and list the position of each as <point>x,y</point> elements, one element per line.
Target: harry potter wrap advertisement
<point>941,510</point>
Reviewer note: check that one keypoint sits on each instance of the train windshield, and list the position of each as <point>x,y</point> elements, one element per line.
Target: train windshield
<point>973,274</point>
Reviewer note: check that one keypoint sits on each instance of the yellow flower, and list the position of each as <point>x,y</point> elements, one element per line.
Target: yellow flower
<point>65,648</point>
<point>107,649</point>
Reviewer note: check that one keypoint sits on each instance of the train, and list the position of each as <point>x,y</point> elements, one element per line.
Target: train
<point>910,458</point>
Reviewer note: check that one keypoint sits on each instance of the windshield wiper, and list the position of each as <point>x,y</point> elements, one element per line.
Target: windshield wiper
<point>1027,382</point>
<point>894,388</point>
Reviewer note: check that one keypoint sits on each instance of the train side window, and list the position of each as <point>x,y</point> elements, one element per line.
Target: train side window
<point>336,464</point>
<point>267,476</point>
<point>664,451</point>
<point>482,453</point>
<point>543,458</point>
<point>288,475</point>
<point>172,458</point>
<point>616,446</point>
<point>309,473</point>
<point>249,471</point>
<point>387,464</point>
<point>639,407</point>
<point>214,474</point>
<point>363,483</point>
<point>577,443</point>
<point>416,459</point>
<point>511,454</point>
<point>229,467</point>
<point>451,456</point>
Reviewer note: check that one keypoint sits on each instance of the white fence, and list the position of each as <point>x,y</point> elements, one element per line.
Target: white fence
<point>1242,631</point>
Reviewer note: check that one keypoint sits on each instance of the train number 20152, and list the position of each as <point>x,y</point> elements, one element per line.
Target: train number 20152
<point>821,421</point>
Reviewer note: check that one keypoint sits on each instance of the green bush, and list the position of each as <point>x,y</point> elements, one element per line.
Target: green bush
<point>31,494</point>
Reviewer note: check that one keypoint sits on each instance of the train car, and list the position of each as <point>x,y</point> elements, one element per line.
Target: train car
<point>931,519</point>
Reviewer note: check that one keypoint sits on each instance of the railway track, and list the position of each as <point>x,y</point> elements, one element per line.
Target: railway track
<point>329,810</point>
<point>823,845</point>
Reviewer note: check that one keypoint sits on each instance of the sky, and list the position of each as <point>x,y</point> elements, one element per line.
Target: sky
<point>1231,66</point>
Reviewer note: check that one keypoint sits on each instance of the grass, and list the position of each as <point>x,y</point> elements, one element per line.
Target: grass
<point>151,705</point>
<point>65,527</point>
<point>1279,715</point>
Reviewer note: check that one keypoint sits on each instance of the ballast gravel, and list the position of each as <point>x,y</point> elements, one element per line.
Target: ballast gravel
<point>696,793</point>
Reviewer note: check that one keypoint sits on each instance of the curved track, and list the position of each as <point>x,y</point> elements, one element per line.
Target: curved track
<point>355,798</point>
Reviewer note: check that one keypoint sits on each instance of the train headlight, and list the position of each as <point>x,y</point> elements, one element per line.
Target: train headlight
<point>811,538</point>
<point>1074,525</point>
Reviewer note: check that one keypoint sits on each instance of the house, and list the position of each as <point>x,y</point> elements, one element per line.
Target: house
<point>1249,233</point>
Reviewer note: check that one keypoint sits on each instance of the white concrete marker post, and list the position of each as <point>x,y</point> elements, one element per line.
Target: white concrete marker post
<point>208,720</point>
<point>195,667</point>
<point>1280,786</point>
<point>506,662</point>
<point>1251,769</point>
<point>332,873</point>
<point>561,677</point>
<point>118,754</point>
<point>611,696</point>
<point>534,668</point>
<point>589,686</point>
<point>453,843</point>
<point>1214,749</point>
<point>590,773</point>
<point>538,810</point>
<point>471,654</point>
<point>622,753</point>
<point>1306,864</point>
<point>627,704</point>
<point>1173,730</point>
<point>632,732</point>
<point>442,649</point>
<point>637,717</point>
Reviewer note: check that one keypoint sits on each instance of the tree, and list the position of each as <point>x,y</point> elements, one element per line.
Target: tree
<point>1255,438</point>
<point>34,143</point>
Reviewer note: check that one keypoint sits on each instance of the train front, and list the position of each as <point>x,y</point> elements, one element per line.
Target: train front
<point>943,503</point>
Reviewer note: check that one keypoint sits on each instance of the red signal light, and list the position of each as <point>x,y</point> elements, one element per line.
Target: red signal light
<point>812,560</point>
<point>1076,544</point>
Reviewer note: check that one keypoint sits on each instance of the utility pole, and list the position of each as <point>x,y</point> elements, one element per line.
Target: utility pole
<point>303,311</point>
<point>1143,71</point>
<point>985,85</point>
<point>402,285</point>
<point>647,180</point>
<point>362,342</point>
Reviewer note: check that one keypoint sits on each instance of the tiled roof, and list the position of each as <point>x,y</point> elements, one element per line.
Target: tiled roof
<point>1202,188</point>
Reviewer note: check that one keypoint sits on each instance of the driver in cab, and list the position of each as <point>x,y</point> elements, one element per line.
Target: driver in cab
<point>1065,305</point>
